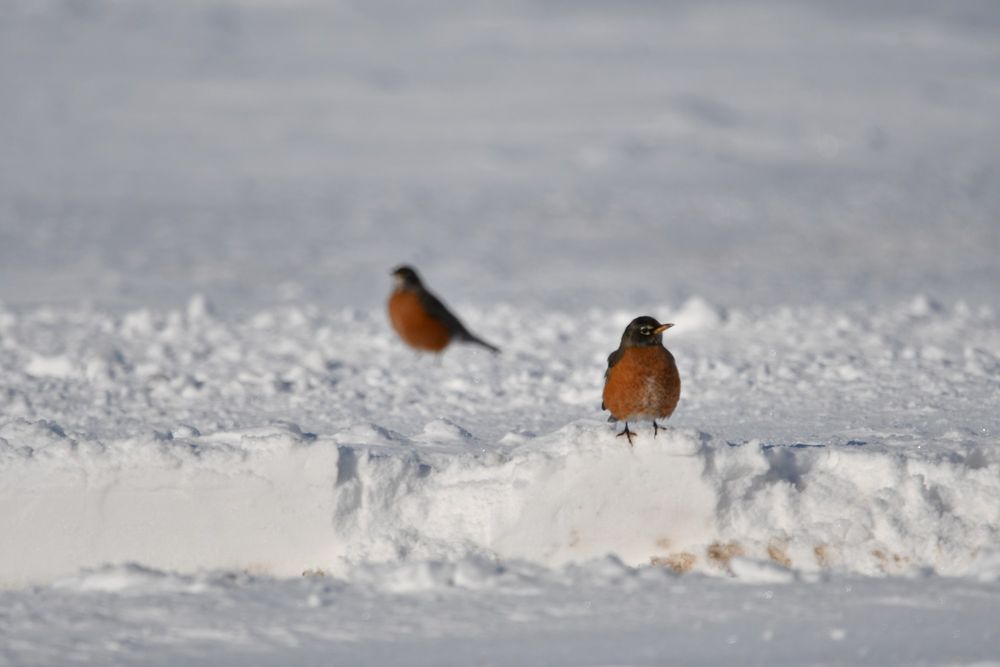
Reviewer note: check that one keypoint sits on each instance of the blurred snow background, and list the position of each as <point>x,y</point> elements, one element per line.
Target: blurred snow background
<point>570,154</point>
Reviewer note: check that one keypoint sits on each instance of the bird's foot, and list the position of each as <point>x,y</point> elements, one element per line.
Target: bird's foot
<point>628,434</point>
<point>657,428</point>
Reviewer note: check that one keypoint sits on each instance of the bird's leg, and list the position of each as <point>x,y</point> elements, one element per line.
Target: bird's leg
<point>628,434</point>
<point>657,428</point>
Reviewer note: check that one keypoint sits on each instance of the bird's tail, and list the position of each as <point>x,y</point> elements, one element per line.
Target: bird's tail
<point>469,338</point>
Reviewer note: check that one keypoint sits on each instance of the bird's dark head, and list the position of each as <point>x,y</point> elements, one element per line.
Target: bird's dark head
<point>644,331</point>
<point>406,277</point>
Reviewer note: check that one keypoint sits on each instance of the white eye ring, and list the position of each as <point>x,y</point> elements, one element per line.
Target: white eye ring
<point>645,331</point>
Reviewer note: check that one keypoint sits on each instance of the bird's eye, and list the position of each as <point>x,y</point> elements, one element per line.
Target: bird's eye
<point>645,331</point>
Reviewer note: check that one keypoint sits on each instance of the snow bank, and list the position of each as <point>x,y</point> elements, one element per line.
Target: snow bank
<point>255,500</point>
<point>685,500</point>
<point>279,501</point>
<point>808,440</point>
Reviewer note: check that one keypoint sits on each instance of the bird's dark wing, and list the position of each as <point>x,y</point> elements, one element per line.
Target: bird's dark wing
<point>613,359</point>
<point>440,312</point>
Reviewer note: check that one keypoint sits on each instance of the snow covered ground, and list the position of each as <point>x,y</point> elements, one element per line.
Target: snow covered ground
<point>213,450</point>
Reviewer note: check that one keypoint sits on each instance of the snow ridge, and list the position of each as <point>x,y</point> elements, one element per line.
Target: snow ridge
<point>279,501</point>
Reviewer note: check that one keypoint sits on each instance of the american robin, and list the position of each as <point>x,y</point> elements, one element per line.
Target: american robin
<point>420,318</point>
<point>642,381</point>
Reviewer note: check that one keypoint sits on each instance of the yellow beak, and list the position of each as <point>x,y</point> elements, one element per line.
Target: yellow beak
<point>663,327</point>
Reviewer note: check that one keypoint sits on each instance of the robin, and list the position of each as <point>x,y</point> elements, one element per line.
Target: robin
<point>642,381</point>
<point>421,320</point>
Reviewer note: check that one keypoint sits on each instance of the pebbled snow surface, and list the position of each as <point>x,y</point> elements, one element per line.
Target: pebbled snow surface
<point>214,451</point>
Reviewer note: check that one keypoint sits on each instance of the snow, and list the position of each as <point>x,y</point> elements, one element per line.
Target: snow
<point>277,501</point>
<point>214,450</point>
<point>597,613</point>
<point>145,484</point>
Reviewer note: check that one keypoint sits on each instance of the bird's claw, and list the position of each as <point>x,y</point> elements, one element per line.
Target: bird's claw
<point>628,434</point>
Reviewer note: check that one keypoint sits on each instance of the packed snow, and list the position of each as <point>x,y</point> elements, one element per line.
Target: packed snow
<point>214,449</point>
<point>395,456</point>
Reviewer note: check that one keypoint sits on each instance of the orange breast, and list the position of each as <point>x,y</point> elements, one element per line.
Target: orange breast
<point>414,325</point>
<point>644,384</point>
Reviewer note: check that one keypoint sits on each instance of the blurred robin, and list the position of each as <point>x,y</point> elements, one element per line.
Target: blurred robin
<point>420,318</point>
<point>642,382</point>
